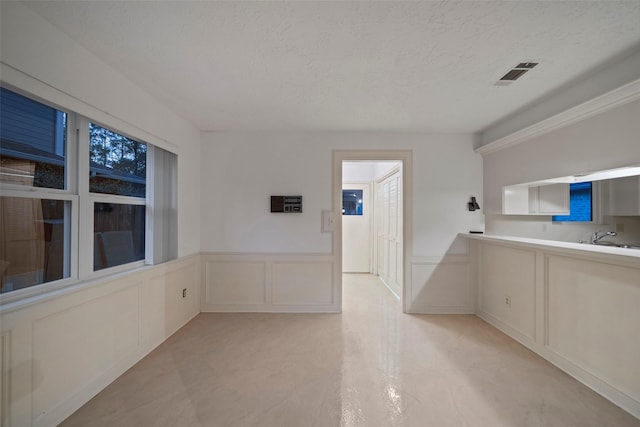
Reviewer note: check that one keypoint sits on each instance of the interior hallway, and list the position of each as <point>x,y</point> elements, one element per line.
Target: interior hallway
<point>370,366</point>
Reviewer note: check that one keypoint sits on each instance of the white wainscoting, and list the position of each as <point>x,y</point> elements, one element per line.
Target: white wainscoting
<point>270,283</point>
<point>508,302</point>
<point>593,320</point>
<point>442,285</point>
<point>58,351</point>
<point>578,309</point>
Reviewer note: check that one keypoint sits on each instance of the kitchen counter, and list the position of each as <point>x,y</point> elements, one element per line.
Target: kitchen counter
<point>558,245</point>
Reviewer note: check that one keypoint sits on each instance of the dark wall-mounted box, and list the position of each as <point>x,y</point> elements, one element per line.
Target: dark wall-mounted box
<point>286,204</point>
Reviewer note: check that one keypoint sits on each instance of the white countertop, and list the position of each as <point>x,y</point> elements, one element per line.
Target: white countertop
<point>584,247</point>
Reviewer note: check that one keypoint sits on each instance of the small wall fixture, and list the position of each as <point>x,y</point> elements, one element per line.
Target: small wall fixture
<point>473,204</point>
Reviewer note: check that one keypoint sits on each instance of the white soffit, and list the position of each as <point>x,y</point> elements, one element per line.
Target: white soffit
<point>348,66</point>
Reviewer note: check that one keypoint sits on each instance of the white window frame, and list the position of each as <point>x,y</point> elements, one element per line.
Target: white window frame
<point>87,201</point>
<point>78,242</point>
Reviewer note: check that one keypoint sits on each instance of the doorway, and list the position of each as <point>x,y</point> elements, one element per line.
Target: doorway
<point>378,243</point>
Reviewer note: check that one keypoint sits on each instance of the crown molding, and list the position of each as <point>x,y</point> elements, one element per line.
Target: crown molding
<point>608,101</point>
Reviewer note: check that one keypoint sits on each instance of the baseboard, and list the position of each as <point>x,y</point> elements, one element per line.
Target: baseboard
<point>435,309</point>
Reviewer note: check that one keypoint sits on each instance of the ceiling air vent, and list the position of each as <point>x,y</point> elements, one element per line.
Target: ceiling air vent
<point>515,73</point>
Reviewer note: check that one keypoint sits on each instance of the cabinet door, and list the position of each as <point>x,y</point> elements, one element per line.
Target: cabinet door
<point>515,200</point>
<point>624,196</point>
<point>553,199</point>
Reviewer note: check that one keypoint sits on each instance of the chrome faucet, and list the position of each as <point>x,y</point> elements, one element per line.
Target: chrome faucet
<point>596,237</point>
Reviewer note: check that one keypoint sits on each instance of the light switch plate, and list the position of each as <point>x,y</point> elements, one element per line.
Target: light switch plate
<point>328,221</point>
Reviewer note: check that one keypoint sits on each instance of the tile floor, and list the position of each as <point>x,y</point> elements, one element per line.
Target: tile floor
<point>369,366</point>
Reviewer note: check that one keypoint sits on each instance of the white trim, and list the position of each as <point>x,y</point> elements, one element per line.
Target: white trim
<point>608,101</point>
<point>389,288</point>
<point>453,258</point>
<point>85,220</point>
<point>441,309</point>
<point>390,173</point>
<point>5,351</point>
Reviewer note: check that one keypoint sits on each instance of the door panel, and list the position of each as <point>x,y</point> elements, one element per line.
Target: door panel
<point>389,231</point>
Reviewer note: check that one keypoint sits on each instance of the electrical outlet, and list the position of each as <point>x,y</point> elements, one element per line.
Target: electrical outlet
<point>507,301</point>
<point>184,293</point>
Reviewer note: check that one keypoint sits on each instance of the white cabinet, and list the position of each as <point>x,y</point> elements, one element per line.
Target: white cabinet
<point>549,199</point>
<point>624,196</point>
<point>552,199</point>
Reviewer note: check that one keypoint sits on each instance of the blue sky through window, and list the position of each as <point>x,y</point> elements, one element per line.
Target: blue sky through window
<point>580,202</point>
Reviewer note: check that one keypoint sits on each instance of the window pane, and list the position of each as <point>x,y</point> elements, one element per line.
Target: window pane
<point>580,203</point>
<point>32,235</point>
<point>118,234</point>
<point>32,142</point>
<point>351,202</point>
<point>118,164</point>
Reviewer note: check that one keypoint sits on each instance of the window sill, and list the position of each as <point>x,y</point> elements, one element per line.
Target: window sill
<point>39,293</point>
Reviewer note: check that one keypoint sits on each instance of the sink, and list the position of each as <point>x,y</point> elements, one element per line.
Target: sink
<point>629,246</point>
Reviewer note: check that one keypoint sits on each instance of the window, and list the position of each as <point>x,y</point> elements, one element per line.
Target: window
<point>351,202</point>
<point>580,203</point>
<point>35,210</point>
<point>32,151</point>
<point>118,164</point>
<point>118,234</point>
<point>117,167</point>
<point>65,217</point>
<point>34,236</point>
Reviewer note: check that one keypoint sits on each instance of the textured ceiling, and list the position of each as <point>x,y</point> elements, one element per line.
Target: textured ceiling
<point>347,66</point>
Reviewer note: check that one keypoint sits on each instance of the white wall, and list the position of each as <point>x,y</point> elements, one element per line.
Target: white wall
<point>58,350</point>
<point>241,170</point>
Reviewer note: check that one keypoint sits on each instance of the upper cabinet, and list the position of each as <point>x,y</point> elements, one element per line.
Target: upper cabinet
<point>551,199</point>
<point>624,196</point>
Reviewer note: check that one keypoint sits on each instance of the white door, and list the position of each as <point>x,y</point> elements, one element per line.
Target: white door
<point>356,228</point>
<point>389,231</point>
